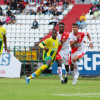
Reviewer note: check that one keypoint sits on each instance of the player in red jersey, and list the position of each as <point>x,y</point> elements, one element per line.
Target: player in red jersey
<point>63,52</point>
<point>77,48</point>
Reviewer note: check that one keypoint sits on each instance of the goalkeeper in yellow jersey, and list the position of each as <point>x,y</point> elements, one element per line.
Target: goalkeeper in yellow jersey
<point>2,38</point>
<point>50,47</point>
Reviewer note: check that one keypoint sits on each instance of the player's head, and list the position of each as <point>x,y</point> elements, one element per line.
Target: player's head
<point>75,27</point>
<point>54,33</point>
<point>61,27</point>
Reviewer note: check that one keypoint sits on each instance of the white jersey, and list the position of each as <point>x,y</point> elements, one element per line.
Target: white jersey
<point>64,48</point>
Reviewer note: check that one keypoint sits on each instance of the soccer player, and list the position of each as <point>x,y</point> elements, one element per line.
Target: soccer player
<point>63,52</point>
<point>2,38</point>
<point>50,47</point>
<point>77,48</point>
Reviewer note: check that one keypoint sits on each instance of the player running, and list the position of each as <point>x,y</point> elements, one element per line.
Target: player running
<point>2,38</point>
<point>77,48</point>
<point>63,52</point>
<point>50,47</point>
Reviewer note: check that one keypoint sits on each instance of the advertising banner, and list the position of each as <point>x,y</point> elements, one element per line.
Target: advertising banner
<point>89,65</point>
<point>10,66</point>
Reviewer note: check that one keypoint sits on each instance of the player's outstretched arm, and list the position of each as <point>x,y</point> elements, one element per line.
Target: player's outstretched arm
<point>90,42</point>
<point>5,43</point>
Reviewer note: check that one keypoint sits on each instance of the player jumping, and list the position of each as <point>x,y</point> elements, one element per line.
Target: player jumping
<point>77,48</point>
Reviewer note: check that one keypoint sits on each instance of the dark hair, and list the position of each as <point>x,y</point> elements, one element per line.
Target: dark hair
<point>61,24</point>
<point>74,24</point>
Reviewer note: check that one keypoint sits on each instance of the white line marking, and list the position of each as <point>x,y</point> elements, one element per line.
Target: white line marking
<point>79,94</point>
<point>91,96</point>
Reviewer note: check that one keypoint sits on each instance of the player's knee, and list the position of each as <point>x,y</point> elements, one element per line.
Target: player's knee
<point>59,63</point>
<point>73,60</point>
<point>49,62</point>
<point>72,67</point>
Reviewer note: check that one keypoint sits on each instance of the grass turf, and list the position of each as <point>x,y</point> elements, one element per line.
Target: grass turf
<point>45,88</point>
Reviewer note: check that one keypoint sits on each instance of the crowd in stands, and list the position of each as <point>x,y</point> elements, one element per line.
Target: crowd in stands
<point>95,9</point>
<point>8,17</point>
<point>33,7</point>
<point>82,22</point>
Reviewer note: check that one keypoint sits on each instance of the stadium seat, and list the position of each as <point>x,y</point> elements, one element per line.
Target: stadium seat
<point>60,17</point>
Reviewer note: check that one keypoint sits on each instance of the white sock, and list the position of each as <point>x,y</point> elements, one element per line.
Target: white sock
<point>76,66</point>
<point>72,72</point>
<point>60,73</point>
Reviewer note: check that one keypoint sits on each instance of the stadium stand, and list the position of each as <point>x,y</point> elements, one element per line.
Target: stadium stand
<point>18,33</point>
<point>21,34</point>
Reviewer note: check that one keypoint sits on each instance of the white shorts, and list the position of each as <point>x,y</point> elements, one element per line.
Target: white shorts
<point>65,58</point>
<point>80,54</point>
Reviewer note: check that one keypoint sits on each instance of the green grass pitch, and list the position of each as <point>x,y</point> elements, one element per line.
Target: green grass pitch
<point>49,88</point>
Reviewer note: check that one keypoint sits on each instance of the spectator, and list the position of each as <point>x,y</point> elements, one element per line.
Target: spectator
<point>92,9</point>
<point>82,24</point>
<point>78,22</point>
<point>45,2</point>
<point>13,5</point>
<point>98,5</point>
<point>40,9</point>
<point>21,5</point>
<point>37,1</point>
<point>1,12</point>
<point>9,4</point>
<point>3,19</point>
<point>95,2</point>
<point>50,9</point>
<point>60,2</point>
<point>28,9</point>
<point>8,12</point>
<point>34,10</point>
<point>45,9</point>
<point>96,13</point>
<point>54,20</point>
<point>8,20</point>
<point>55,3</point>
<point>59,9</point>
<point>83,17</point>
<point>35,24</point>
<point>13,19</point>
<point>31,2</point>
<point>49,2</point>
<point>18,10</point>
<point>54,11</point>
<point>65,4</point>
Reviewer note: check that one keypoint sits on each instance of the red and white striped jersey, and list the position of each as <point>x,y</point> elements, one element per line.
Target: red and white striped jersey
<point>64,48</point>
<point>79,46</point>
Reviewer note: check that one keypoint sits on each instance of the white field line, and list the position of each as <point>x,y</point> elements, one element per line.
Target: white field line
<point>79,94</point>
<point>91,96</point>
